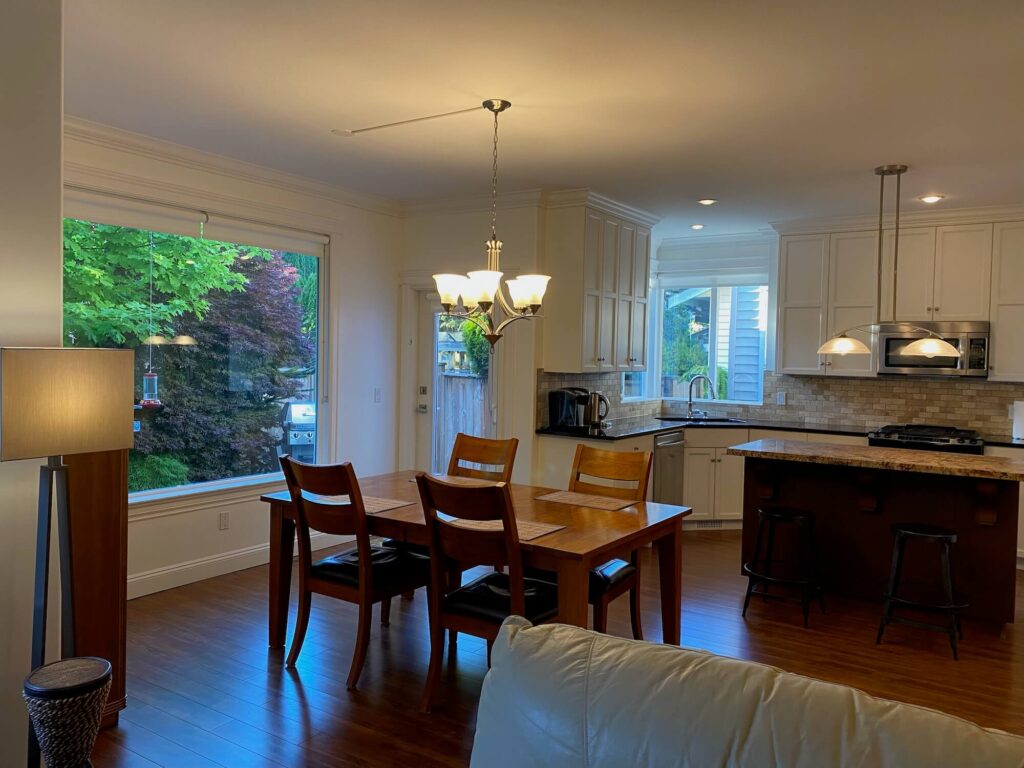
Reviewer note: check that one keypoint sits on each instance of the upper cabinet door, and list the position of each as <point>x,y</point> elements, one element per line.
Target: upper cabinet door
<point>803,286</point>
<point>642,263</point>
<point>914,288</point>
<point>1006,357</point>
<point>852,296</point>
<point>963,264</point>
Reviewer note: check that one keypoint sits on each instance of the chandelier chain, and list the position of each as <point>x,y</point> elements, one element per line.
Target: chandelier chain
<point>494,183</point>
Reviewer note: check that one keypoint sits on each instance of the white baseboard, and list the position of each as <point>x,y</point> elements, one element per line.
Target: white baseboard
<point>179,574</point>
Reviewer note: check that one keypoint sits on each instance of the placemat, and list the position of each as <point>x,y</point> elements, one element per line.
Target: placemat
<point>373,504</point>
<point>528,529</point>
<point>586,500</point>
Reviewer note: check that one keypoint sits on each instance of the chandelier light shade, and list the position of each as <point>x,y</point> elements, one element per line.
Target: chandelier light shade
<point>477,296</point>
<point>929,346</point>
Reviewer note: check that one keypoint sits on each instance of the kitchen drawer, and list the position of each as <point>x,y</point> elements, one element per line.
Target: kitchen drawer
<point>776,434</point>
<point>714,437</point>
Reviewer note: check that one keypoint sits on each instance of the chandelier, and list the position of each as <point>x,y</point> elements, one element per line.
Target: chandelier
<point>477,295</point>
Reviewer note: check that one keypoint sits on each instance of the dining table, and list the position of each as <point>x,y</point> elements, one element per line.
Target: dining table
<point>588,537</point>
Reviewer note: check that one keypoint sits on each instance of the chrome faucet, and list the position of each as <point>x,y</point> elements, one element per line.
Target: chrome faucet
<point>690,413</point>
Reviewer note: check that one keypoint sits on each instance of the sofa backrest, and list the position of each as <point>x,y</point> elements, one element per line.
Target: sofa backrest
<point>564,697</point>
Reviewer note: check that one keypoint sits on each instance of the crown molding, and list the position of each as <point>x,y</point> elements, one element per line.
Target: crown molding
<point>567,198</point>
<point>929,218</point>
<point>527,198</point>
<point>108,137</point>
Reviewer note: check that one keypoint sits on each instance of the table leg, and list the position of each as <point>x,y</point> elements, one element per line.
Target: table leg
<point>282,544</point>
<point>573,585</point>
<point>670,566</point>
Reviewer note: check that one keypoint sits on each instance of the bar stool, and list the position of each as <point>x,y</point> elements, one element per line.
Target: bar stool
<point>948,604</point>
<point>800,573</point>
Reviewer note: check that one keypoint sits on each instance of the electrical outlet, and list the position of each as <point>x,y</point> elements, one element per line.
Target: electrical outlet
<point>377,396</point>
<point>223,520</point>
<point>780,398</point>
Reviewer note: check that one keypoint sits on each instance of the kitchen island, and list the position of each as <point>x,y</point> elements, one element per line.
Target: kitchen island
<point>858,492</point>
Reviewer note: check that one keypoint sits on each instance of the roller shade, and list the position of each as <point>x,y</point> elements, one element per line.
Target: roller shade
<point>742,262</point>
<point>229,230</point>
<point>128,212</point>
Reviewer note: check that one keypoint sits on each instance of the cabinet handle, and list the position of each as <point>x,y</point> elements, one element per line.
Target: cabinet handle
<point>600,359</point>
<point>828,363</point>
<point>927,309</point>
<point>937,309</point>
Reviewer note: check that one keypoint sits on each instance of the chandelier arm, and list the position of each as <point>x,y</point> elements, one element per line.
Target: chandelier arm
<point>505,306</point>
<point>509,320</point>
<point>869,329</point>
<point>474,318</point>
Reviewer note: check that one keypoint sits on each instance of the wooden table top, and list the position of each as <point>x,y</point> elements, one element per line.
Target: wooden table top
<point>878,457</point>
<point>586,532</point>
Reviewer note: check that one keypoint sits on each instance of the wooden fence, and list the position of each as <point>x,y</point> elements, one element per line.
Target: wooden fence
<point>463,405</point>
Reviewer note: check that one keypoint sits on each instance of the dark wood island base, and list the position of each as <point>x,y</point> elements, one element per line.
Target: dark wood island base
<point>857,493</point>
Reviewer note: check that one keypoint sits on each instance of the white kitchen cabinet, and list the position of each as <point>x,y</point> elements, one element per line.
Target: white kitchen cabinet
<point>553,457</point>
<point>712,479</point>
<point>595,310</point>
<point>775,434</point>
<point>852,297</point>
<point>728,486</point>
<point>944,273</point>
<point>699,482</point>
<point>819,437</point>
<point>803,294</point>
<point>1006,355</point>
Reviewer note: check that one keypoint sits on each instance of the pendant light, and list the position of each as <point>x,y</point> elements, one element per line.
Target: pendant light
<point>473,296</point>
<point>931,345</point>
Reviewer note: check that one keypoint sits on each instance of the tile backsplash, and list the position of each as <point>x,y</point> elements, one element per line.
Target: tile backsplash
<point>820,401</point>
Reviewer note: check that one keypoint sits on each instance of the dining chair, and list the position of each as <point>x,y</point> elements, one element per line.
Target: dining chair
<point>479,529</point>
<point>364,575</point>
<point>631,471</point>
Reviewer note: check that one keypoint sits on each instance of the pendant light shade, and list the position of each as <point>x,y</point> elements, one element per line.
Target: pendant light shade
<point>844,345</point>
<point>930,346</point>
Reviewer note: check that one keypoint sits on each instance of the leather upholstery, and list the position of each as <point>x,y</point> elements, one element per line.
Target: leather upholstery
<point>487,597</point>
<point>602,578</point>
<point>390,567</point>
<point>418,550</point>
<point>565,697</point>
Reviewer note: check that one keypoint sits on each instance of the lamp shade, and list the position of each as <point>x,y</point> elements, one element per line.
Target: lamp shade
<point>930,346</point>
<point>56,402</point>
<point>844,345</point>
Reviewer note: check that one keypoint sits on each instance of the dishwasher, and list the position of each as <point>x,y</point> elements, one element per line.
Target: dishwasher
<point>668,467</point>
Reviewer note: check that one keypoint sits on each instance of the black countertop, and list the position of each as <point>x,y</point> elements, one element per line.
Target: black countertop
<point>626,428</point>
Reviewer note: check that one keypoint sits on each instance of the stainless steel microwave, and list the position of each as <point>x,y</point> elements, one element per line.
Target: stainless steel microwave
<point>972,339</point>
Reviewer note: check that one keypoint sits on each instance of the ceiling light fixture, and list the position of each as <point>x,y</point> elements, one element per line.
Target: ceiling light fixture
<point>707,201</point>
<point>697,227</point>
<point>931,199</point>
<point>931,345</point>
<point>480,290</point>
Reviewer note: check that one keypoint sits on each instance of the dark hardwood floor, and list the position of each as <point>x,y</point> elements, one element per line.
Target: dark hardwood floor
<point>203,689</point>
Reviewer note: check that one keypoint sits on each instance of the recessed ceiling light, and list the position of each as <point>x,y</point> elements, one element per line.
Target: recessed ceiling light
<point>930,199</point>
<point>696,226</point>
<point>707,201</point>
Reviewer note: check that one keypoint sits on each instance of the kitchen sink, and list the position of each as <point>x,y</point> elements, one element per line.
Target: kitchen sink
<point>702,419</point>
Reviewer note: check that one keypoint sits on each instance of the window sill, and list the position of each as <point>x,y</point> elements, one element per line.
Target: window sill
<point>746,403</point>
<point>164,502</point>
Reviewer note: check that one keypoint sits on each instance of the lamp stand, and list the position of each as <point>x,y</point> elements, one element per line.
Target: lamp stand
<point>52,476</point>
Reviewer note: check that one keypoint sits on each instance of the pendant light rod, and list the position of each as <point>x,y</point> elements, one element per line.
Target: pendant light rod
<point>897,170</point>
<point>355,131</point>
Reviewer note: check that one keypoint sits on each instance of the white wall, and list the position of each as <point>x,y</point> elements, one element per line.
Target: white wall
<point>178,541</point>
<point>453,241</point>
<point>30,295</point>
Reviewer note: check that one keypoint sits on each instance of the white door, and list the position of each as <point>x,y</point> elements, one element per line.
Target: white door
<point>914,288</point>
<point>456,385</point>
<point>699,482</point>
<point>1006,357</point>
<point>803,282</point>
<point>728,486</point>
<point>963,263</point>
<point>852,295</point>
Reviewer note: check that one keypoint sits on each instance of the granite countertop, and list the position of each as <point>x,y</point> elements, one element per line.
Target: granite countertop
<point>626,428</point>
<point>900,459</point>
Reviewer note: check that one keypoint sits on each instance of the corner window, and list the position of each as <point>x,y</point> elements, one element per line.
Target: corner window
<point>710,330</point>
<point>225,341</point>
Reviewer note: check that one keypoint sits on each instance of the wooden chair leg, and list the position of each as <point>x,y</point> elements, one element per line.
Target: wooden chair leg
<point>434,671</point>
<point>385,612</point>
<point>634,612</point>
<point>454,582</point>
<point>601,616</point>
<point>362,643</point>
<point>301,622</point>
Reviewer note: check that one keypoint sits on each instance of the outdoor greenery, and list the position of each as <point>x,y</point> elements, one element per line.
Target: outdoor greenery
<point>478,349</point>
<point>253,313</point>
<point>687,336</point>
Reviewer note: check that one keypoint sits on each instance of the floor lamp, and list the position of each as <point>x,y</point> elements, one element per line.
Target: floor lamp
<point>53,403</point>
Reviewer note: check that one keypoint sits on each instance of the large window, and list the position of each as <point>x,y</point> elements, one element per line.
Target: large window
<point>711,330</point>
<point>227,405</point>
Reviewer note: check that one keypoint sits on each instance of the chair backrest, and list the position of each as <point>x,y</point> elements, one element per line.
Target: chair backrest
<point>483,450</point>
<point>308,484</point>
<point>621,466</point>
<point>471,546</point>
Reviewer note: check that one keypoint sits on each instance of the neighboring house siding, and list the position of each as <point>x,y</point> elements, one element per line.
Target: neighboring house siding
<point>746,345</point>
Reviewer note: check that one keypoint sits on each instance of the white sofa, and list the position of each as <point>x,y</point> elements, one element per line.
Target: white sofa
<point>565,697</point>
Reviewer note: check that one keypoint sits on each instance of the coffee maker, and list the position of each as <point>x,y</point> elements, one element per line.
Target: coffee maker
<point>566,407</point>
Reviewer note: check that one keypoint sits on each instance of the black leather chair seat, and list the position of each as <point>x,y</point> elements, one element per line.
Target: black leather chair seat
<point>391,567</point>
<point>602,579</point>
<point>417,550</point>
<point>487,597</point>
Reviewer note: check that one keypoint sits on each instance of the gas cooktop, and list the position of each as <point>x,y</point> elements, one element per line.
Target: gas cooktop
<point>928,437</point>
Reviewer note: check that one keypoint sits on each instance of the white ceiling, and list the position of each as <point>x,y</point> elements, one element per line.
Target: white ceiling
<point>780,110</point>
